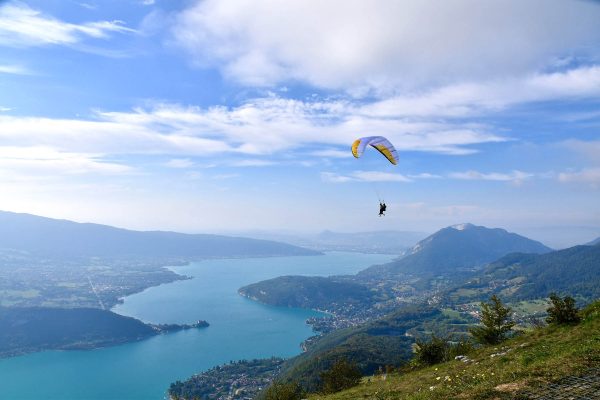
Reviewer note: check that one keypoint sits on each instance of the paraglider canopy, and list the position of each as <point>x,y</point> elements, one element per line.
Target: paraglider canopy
<point>380,143</point>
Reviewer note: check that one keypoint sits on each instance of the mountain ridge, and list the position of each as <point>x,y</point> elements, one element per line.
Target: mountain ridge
<point>59,237</point>
<point>458,247</point>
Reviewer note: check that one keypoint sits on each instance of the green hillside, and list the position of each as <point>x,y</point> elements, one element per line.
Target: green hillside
<point>525,364</point>
<point>386,341</point>
<point>307,292</point>
<point>575,270</point>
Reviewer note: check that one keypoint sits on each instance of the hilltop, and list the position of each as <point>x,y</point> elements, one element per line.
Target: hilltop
<point>462,247</point>
<point>515,369</point>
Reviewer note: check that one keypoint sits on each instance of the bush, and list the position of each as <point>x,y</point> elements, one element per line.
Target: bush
<point>432,352</point>
<point>342,375</point>
<point>591,311</point>
<point>495,319</point>
<point>562,311</point>
<point>284,391</point>
<point>459,349</point>
<point>438,350</point>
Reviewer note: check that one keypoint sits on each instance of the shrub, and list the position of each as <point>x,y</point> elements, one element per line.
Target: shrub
<point>342,375</point>
<point>496,324</point>
<point>431,352</point>
<point>438,350</point>
<point>562,311</point>
<point>284,391</point>
<point>460,348</point>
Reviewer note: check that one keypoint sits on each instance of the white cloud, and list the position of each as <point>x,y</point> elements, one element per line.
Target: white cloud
<point>331,153</point>
<point>425,175</point>
<point>352,44</point>
<point>21,25</point>
<point>14,69</point>
<point>514,176</point>
<point>258,127</point>
<point>335,178</point>
<point>469,99</point>
<point>40,161</point>
<point>589,176</point>
<point>179,163</point>
<point>252,163</point>
<point>364,176</point>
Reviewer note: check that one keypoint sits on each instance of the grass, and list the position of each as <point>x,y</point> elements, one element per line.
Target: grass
<point>533,359</point>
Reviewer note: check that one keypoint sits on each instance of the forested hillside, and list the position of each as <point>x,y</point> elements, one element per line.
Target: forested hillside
<point>574,271</point>
<point>24,330</point>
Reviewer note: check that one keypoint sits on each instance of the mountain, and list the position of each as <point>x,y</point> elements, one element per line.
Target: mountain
<point>574,271</point>
<point>455,248</point>
<point>52,237</point>
<point>594,242</point>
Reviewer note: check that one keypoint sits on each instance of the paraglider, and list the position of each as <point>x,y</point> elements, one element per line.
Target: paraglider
<point>384,147</point>
<point>380,143</point>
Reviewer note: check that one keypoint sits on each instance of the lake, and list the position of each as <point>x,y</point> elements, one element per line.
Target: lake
<point>240,329</point>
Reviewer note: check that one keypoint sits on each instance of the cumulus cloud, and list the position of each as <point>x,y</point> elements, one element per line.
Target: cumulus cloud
<point>21,25</point>
<point>349,44</point>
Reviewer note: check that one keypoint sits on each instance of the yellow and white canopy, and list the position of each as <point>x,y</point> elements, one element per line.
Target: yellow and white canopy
<point>380,143</point>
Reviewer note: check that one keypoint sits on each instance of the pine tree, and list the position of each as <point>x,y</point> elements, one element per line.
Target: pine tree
<point>496,324</point>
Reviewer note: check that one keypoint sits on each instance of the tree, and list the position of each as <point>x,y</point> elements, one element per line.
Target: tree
<point>562,311</point>
<point>496,324</point>
<point>342,375</point>
<point>284,391</point>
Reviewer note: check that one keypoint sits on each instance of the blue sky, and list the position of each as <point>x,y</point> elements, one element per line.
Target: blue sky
<point>231,115</point>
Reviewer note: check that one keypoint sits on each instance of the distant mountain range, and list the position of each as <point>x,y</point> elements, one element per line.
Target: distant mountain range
<point>458,247</point>
<point>48,237</point>
<point>385,242</point>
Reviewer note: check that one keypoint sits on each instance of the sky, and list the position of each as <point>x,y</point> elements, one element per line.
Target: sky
<point>238,115</point>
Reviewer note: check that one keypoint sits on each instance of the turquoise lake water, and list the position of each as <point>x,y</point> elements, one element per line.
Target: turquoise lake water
<point>240,329</point>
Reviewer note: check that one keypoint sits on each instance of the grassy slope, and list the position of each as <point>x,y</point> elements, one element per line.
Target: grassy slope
<point>530,360</point>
